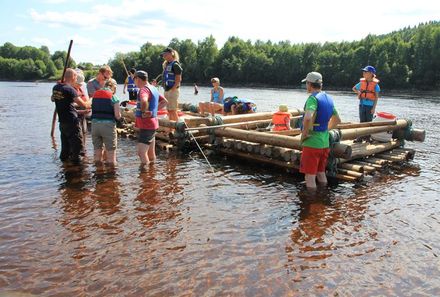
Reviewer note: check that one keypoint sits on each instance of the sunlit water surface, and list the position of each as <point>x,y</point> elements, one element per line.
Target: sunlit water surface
<point>178,229</point>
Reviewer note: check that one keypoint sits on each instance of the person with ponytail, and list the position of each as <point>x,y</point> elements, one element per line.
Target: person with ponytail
<point>172,77</point>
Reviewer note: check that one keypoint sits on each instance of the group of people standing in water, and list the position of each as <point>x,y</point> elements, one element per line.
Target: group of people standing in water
<point>100,102</point>
<point>73,105</point>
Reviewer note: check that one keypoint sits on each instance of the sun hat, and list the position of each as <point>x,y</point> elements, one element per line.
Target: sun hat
<point>369,69</point>
<point>313,77</point>
<point>283,108</point>
<point>79,77</point>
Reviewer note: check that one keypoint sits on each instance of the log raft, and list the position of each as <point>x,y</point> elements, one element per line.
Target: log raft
<point>249,137</point>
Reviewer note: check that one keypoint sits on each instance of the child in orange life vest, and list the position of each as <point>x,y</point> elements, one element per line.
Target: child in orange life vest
<point>281,119</point>
<point>368,92</point>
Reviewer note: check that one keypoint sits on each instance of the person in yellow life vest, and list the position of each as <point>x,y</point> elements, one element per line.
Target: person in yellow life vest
<point>281,119</point>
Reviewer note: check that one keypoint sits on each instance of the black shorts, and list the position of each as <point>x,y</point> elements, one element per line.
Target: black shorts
<point>146,136</point>
<point>132,95</point>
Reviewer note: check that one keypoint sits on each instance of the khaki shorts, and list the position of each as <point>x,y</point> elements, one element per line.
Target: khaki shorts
<point>104,133</point>
<point>173,97</point>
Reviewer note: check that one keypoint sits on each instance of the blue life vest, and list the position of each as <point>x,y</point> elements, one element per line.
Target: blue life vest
<point>153,103</point>
<point>248,105</point>
<point>216,96</point>
<point>169,77</point>
<point>323,113</point>
<point>102,107</point>
<point>131,87</point>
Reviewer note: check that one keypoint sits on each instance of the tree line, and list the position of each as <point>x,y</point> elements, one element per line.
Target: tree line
<point>405,59</point>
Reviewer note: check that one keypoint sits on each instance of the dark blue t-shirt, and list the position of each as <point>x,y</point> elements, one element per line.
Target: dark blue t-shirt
<point>63,96</point>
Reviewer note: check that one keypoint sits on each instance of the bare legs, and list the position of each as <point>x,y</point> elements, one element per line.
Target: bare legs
<point>106,156</point>
<point>311,180</point>
<point>147,152</point>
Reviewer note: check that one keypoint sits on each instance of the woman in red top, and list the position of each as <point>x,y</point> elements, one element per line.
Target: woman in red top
<point>148,102</point>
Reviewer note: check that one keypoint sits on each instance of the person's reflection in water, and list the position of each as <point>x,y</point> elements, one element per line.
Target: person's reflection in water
<point>156,209</point>
<point>106,193</point>
<point>308,245</point>
<point>75,189</point>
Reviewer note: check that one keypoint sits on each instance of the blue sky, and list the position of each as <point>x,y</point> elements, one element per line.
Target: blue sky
<point>99,29</point>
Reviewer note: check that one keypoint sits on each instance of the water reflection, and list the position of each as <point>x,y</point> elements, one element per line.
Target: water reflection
<point>157,205</point>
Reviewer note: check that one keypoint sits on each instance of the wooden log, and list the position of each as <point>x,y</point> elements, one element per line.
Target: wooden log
<point>369,165</point>
<point>391,158</point>
<point>361,150</point>
<point>285,153</point>
<point>164,145</point>
<point>292,132</point>
<point>366,124</point>
<point>376,161</point>
<point>263,138</point>
<point>413,135</point>
<point>196,121</point>
<point>167,123</point>
<point>352,167</point>
<point>163,137</point>
<point>239,125</point>
<point>354,133</point>
<point>410,152</point>
<point>350,173</point>
<point>259,159</point>
<point>347,178</point>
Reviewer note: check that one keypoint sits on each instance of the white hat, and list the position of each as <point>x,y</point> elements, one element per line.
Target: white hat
<point>313,77</point>
<point>79,76</point>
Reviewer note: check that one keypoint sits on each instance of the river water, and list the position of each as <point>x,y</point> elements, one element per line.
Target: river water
<point>179,229</point>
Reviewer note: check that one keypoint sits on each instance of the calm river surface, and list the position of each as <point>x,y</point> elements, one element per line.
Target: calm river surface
<point>177,229</point>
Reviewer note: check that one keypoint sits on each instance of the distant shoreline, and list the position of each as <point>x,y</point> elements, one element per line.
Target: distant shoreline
<point>401,92</point>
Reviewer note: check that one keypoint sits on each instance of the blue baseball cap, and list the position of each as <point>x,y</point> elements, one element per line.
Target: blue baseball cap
<point>369,69</point>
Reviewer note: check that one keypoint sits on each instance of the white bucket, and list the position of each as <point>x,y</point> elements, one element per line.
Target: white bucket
<point>383,117</point>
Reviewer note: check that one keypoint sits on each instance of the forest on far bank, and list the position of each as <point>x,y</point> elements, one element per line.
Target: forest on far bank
<point>405,59</point>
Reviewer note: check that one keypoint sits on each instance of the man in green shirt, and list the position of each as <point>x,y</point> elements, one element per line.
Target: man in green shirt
<point>320,115</point>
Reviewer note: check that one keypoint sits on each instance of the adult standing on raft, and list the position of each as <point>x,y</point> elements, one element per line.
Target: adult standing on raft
<point>172,76</point>
<point>148,102</point>
<point>320,116</point>
<point>64,95</point>
<point>130,86</point>
<point>104,73</point>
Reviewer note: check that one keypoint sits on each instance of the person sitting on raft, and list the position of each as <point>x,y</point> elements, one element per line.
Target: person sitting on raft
<point>235,105</point>
<point>281,119</point>
<point>216,103</point>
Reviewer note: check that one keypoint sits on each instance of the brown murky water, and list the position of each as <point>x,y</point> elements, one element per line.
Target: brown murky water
<point>177,229</point>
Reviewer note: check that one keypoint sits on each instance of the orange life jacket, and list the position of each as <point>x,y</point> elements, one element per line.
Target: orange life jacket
<point>279,120</point>
<point>368,89</point>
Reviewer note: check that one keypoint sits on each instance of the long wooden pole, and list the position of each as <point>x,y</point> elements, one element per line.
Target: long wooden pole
<point>66,63</point>
<point>123,64</point>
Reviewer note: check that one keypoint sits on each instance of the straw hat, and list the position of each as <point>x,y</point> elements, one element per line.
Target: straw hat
<point>283,108</point>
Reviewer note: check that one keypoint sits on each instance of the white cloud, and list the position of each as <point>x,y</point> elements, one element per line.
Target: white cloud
<point>42,41</point>
<point>104,29</point>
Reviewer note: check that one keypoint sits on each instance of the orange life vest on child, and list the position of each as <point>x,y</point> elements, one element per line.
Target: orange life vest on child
<point>368,89</point>
<point>279,120</point>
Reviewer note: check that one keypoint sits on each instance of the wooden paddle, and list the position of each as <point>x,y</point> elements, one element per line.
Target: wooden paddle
<point>54,117</point>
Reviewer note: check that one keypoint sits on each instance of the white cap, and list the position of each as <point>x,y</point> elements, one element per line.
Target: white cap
<point>79,76</point>
<point>313,77</point>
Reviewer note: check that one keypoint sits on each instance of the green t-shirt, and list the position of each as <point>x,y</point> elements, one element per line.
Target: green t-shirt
<point>115,100</point>
<point>316,139</point>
